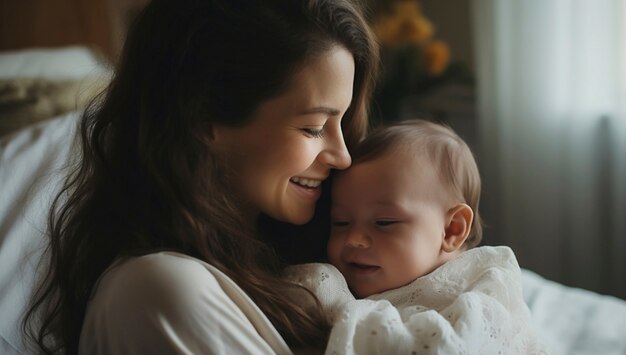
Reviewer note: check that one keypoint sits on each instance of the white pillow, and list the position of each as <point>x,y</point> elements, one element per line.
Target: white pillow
<point>52,63</point>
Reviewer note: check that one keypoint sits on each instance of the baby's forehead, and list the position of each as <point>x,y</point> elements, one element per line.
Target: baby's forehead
<point>398,166</point>
<point>404,167</point>
<point>408,154</point>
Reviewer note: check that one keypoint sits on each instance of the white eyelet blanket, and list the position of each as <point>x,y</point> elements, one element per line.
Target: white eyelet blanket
<point>471,305</point>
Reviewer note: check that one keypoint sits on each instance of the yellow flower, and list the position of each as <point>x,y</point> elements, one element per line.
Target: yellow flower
<point>407,9</point>
<point>417,30</point>
<point>387,29</point>
<point>437,57</point>
<point>405,24</point>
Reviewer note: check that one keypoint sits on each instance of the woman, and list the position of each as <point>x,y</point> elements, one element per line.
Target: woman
<point>220,112</point>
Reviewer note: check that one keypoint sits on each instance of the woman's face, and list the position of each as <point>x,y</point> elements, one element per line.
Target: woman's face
<point>292,141</point>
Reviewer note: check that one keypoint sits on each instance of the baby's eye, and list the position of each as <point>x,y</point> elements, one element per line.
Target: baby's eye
<point>315,133</point>
<point>340,223</point>
<point>385,222</point>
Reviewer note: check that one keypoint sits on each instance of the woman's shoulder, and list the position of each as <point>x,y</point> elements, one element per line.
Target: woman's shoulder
<point>175,301</point>
<point>170,284</point>
<point>163,273</point>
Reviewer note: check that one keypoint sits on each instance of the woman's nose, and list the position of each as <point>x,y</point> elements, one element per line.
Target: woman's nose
<point>336,153</point>
<point>357,239</point>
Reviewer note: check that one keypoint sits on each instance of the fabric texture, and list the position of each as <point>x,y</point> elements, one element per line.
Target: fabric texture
<point>470,305</point>
<point>170,303</point>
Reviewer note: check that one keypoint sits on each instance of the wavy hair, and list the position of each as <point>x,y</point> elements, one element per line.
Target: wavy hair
<point>147,179</point>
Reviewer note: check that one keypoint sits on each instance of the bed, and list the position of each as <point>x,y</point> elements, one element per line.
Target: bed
<point>37,143</point>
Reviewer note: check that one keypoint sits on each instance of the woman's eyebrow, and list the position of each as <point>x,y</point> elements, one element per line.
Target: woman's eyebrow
<point>322,109</point>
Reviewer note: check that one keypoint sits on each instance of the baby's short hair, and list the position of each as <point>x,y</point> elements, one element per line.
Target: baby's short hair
<point>448,153</point>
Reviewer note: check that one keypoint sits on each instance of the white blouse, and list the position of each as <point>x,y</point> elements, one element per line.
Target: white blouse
<point>171,303</point>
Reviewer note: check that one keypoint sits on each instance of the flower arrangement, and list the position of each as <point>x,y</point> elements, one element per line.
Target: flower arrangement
<point>405,28</point>
<point>413,59</point>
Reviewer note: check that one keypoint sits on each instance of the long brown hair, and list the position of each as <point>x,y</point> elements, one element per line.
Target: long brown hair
<point>147,179</point>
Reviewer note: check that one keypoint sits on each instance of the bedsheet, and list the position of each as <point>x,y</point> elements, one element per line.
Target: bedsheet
<point>31,170</point>
<point>573,321</point>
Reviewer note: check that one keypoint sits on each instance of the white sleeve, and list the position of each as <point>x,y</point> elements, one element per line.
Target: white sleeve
<point>473,324</point>
<point>166,303</point>
<point>325,282</point>
<point>471,305</point>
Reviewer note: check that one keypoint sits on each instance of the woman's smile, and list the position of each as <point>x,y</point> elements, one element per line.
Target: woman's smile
<point>304,182</point>
<point>310,188</point>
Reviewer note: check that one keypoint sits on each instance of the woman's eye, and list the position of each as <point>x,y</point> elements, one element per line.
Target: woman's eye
<point>316,133</point>
<point>385,223</point>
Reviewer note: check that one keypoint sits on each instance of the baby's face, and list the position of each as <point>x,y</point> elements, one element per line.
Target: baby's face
<point>388,222</point>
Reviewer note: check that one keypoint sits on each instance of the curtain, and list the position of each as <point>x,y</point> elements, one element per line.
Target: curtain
<point>551,88</point>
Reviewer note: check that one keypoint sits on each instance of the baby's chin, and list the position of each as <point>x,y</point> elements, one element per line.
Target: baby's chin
<point>366,292</point>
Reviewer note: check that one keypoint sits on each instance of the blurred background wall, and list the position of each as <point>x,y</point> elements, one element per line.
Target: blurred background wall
<point>52,23</point>
<point>536,89</point>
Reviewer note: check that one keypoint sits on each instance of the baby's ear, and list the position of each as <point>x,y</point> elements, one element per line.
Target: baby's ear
<point>458,226</point>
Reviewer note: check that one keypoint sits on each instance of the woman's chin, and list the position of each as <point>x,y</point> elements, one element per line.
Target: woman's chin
<point>301,219</point>
<point>298,215</point>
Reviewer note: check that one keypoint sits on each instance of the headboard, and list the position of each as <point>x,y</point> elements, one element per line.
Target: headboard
<point>99,25</point>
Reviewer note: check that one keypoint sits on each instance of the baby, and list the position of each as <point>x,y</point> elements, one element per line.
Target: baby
<point>404,226</point>
<point>408,205</point>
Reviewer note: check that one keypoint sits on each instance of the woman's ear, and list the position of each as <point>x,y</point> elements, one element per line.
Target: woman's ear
<point>458,226</point>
